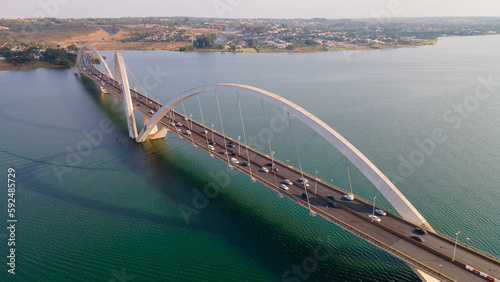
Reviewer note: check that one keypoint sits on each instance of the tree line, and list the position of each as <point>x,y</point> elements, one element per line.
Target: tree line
<point>54,56</point>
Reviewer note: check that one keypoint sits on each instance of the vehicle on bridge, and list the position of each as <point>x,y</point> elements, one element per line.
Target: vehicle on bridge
<point>391,235</point>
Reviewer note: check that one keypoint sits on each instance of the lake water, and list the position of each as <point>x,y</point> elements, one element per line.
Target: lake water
<point>428,117</point>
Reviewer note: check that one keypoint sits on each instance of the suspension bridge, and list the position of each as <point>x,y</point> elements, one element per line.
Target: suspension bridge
<point>407,236</point>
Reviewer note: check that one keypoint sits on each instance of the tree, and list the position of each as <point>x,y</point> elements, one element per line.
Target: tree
<point>204,41</point>
<point>310,42</point>
<point>72,47</point>
<point>65,61</point>
<point>9,56</point>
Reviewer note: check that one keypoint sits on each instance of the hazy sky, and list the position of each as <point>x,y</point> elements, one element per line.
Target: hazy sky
<point>249,8</point>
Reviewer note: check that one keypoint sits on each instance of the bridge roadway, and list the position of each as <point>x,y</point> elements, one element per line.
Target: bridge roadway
<point>391,234</point>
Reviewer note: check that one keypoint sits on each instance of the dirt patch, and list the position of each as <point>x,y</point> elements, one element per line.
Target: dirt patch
<point>95,35</point>
<point>193,31</point>
<point>115,45</point>
<point>120,35</point>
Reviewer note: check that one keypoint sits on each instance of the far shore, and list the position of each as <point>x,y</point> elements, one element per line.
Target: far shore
<point>5,66</point>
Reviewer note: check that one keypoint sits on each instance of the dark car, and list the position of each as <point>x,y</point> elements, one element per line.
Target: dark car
<point>234,154</point>
<point>420,231</point>
<point>331,197</point>
<point>305,195</point>
<point>333,204</point>
<point>269,164</point>
<point>417,238</point>
<point>244,164</point>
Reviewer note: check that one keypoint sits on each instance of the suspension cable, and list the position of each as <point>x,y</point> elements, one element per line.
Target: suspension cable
<point>244,138</point>
<point>332,168</point>
<point>348,175</point>
<point>222,127</point>
<point>256,121</point>
<point>135,82</point>
<point>305,147</point>
<point>203,122</point>
<point>300,166</point>
<point>216,117</point>
<point>184,109</point>
<point>235,115</point>
<point>279,133</point>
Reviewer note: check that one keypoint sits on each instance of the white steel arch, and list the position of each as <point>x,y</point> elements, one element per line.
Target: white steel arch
<point>374,175</point>
<point>94,50</point>
<point>121,73</point>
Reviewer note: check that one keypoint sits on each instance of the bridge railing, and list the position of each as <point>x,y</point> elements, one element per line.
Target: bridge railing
<point>468,246</point>
<point>462,244</point>
<point>331,185</point>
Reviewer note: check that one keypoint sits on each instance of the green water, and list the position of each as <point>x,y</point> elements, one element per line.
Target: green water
<point>118,210</point>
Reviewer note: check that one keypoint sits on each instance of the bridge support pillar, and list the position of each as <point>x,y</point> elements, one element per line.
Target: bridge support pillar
<point>155,133</point>
<point>424,276</point>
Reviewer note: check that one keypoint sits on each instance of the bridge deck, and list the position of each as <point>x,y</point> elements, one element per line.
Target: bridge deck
<point>391,234</point>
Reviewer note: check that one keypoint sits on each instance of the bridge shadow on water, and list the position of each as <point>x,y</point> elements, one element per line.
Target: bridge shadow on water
<point>275,248</point>
<point>288,248</point>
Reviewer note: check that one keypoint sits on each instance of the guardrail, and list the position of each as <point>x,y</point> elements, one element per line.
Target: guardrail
<point>318,211</point>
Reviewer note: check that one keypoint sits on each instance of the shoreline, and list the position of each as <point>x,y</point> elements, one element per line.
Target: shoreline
<point>5,66</point>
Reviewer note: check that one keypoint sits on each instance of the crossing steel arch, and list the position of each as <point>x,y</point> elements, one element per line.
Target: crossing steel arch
<point>94,50</point>
<point>374,175</point>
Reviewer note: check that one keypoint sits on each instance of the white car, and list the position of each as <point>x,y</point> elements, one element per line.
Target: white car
<point>264,169</point>
<point>235,161</point>
<point>211,148</point>
<point>188,132</point>
<point>151,112</point>
<point>380,212</point>
<point>284,187</point>
<point>172,123</point>
<point>374,217</point>
<point>303,180</point>
<point>349,197</point>
<point>179,124</point>
<point>288,182</point>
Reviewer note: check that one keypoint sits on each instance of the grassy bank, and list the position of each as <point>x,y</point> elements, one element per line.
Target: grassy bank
<point>4,66</point>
